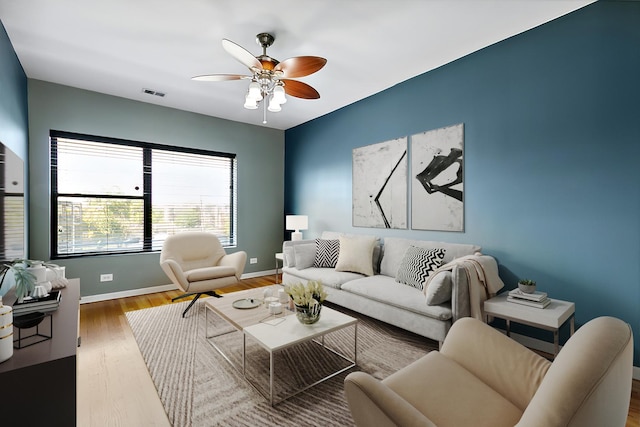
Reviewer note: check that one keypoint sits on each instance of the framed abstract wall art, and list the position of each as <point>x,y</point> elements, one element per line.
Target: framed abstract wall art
<point>379,191</point>
<point>437,184</point>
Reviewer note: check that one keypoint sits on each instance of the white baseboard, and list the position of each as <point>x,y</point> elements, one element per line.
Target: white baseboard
<point>124,294</point>
<point>152,289</point>
<point>261,273</point>
<point>548,347</point>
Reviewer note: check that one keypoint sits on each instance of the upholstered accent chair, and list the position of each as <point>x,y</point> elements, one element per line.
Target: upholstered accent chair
<point>197,263</point>
<point>482,378</point>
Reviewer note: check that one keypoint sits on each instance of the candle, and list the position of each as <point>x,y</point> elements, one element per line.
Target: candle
<point>275,308</point>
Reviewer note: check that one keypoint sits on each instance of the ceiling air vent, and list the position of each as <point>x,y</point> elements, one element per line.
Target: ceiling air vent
<point>153,92</point>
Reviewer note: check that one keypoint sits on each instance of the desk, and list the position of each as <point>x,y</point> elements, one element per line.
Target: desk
<point>550,318</point>
<point>43,376</point>
<point>279,259</point>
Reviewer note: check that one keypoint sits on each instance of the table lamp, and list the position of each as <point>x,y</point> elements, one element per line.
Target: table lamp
<point>297,223</point>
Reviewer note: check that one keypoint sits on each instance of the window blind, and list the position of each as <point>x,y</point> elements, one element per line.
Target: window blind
<point>113,196</point>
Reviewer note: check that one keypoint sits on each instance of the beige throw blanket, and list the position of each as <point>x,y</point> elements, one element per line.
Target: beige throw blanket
<point>482,276</point>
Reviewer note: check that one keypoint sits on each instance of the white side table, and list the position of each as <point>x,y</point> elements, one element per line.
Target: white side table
<point>279,259</point>
<point>550,318</point>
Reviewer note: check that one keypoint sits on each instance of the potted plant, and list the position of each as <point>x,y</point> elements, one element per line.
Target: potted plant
<point>23,280</point>
<point>527,286</point>
<point>308,300</point>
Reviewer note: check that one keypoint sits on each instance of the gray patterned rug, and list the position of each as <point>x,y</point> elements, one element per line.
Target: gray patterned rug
<point>198,387</point>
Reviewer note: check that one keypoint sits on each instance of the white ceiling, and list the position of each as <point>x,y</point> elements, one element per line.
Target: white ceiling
<point>119,47</point>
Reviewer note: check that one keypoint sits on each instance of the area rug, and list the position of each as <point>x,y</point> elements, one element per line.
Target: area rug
<point>198,387</point>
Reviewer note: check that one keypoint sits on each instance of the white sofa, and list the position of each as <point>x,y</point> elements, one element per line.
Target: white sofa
<point>379,295</point>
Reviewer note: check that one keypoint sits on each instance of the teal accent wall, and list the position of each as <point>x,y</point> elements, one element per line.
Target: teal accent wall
<point>260,159</point>
<point>552,144</point>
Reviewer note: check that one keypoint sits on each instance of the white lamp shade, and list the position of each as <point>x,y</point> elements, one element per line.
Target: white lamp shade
<point>297,222</point>
<point>250,103</point>
<point>274,107</point>
<point>279,95</point>
<point>254,91</point>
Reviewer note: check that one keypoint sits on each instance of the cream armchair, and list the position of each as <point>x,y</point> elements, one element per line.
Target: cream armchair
<point>482,378</point>
<point>197,263</point>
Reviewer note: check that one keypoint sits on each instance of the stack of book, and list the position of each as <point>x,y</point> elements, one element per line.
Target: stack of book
<point>535,299</point>
<point>44,304</point>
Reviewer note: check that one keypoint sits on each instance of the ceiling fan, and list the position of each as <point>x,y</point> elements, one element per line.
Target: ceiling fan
<point>269,77</point>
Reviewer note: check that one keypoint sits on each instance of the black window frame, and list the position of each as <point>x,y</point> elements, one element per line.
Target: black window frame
<point>147,148</point>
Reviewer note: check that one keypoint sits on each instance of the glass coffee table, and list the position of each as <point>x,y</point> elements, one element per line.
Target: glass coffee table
<point>276,334</point>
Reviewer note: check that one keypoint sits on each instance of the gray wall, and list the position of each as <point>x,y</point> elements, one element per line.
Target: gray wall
<point>260,175</point>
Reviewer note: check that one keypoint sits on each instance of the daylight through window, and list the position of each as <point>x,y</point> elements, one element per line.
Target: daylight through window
<point>115,196</point>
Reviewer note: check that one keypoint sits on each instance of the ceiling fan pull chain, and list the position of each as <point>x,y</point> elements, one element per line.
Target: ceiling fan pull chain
<point>264,113</point>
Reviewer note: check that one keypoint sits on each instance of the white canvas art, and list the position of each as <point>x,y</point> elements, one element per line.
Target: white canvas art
<point>437,187</point>
<point>380,185</point>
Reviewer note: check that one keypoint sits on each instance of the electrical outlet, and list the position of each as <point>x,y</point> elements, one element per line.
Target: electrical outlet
<point>106,277</point>
<point>253,261</point>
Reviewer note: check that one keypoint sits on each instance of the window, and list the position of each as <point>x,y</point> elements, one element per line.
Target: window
<point>11,205</point>
<point>115,196</point>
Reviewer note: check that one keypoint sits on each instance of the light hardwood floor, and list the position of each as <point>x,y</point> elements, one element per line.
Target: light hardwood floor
<point>114,387</point>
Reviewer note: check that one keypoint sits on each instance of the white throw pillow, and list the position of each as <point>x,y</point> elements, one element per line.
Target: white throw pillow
<point>439,289</point>
<point>289,257</point>
<point>356,254</point>
<point>305,254</point>
<point>417,264</point>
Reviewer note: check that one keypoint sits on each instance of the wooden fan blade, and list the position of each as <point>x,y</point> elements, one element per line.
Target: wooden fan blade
<point>241,54</point>
<point>300,66</point>
<point>219,77</point>
<point>299,89</point>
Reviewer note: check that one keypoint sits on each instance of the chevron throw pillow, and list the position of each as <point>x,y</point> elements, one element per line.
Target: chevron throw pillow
<point>327,252</point>
<point>417,264</point>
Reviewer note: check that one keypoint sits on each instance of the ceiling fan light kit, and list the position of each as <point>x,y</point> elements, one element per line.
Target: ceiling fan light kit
<point>270,78</point>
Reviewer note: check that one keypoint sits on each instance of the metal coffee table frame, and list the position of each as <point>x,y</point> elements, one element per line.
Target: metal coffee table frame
<point>288,333</point>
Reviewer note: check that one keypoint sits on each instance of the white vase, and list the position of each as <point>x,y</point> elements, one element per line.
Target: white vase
<point>39,271</point>
<point>56,276</point>
<point>6,332</point>
<point>47,286</point>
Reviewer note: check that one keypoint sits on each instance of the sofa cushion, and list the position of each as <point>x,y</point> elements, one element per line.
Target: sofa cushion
<point>327,252</point>
<point>304,255</point>
<point>394,249</point>
<point>450,395</point>
<point>356,254</point>
<point>417,264</point>
<point>377,247</point>
<point>209,273</point>
<point>386,290</point>
<point>439,289</point>
<point>327,276</point>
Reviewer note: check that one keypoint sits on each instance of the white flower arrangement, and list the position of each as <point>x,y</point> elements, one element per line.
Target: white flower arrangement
<point>307,295</point>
